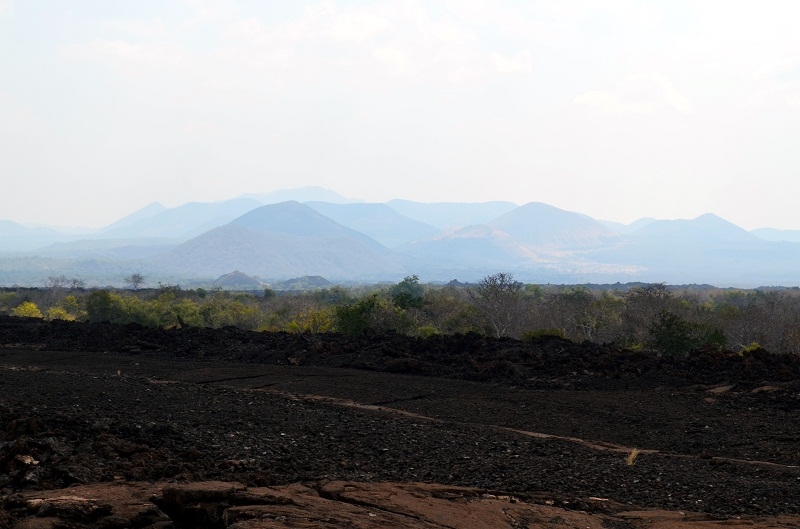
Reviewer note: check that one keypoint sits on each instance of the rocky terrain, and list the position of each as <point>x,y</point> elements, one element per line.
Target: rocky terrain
<point>123,426</point>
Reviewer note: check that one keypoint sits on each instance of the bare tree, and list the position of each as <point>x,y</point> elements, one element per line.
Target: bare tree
<point>56,282</point>
<point>498,297</point>
<point>134,281</point>
<point>61,282</point>
<point>56,287</point>
<point>642,305</point>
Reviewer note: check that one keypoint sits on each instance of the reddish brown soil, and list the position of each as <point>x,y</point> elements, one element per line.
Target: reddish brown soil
<point>510,427</point>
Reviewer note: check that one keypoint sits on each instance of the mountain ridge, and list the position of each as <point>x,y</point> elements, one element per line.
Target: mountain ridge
<point>351,240</point>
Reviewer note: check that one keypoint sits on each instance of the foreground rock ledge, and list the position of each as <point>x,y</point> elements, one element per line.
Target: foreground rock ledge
<point>216,504</point>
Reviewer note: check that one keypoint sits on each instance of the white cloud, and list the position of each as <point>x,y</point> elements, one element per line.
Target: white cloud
<point>6,7</point>
<point>137,28</point>
<point>357,27</point>
<point>133,59</point>
<point>16,120</point>
<point>646,93</point>
<point>521,63</point>
<point>397,59</point>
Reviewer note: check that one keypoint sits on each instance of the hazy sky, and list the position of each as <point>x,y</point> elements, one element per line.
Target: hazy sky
<point>617,109</point>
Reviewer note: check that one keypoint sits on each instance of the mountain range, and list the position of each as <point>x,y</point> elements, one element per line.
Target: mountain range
<point>316,232</point>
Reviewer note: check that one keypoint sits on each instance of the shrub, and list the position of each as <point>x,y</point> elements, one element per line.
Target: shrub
<point>314,321</point>
<point>530,336</point>
<point>426,331</point>
<point>355,318</point>
<point>747,349</point>
<point>672,335</point>
<point>59,313</point>
<point>408,293</point>
<point>27,309</point>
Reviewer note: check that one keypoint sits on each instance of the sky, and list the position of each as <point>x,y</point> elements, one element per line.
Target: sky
<point>619,109</point>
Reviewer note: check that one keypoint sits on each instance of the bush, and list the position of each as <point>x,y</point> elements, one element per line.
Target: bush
<point>59,313</point>
<point>426,331</point>
<point>672,335</point>
<point>746,350</point>
<point>408,294</point>
<point>530,336</point>
<point>314,321</point>
<point>355,319</point>
<point>27,309</point>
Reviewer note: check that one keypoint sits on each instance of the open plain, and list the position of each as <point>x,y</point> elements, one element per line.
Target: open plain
<point>123,426</point>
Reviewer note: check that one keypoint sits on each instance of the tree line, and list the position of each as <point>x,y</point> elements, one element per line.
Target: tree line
<point>669,320</point>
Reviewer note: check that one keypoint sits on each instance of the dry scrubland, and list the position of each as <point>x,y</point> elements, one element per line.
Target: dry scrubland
<point>668,320</point>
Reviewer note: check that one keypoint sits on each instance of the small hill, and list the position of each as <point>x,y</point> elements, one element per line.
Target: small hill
<point>378,221</point>
<point>303,283</point>
<point>543,226</point>
<point>238,280</point>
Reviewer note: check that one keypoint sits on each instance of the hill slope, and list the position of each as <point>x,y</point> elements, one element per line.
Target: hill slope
<point>544,226</point>
<point>184,221</point>
<point>451,214</point>
<point>15,237</point>
<point>282,241</point>
<point>378,221</point>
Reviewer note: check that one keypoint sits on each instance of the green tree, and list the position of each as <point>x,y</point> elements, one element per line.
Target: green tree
<point>355,318</point>
<point>672,335</point>
<point>408,293</point>
<point>102,305</point>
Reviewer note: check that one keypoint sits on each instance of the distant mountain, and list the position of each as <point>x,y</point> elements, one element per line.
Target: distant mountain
<point>284,240</point>
<point>378,221</point>
<point>625,229</point>
<point>34,270</point>
<point>706,249</point>
<point>109,249</point>
<point>343,240</point>
<point>302,194</point>
<point>479,245</point>
<point>150,210</point>
<point>704,229</point>
<point>15,237</point>
<point>771,234</point>
<point>183,222</point>
<point>445,215</point>
<point>546,227</point>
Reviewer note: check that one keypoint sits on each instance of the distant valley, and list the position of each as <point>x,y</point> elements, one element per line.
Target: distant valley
<point>316,232</point>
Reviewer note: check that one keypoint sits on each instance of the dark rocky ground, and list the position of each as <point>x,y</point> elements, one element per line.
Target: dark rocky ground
<point>549,422</point>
